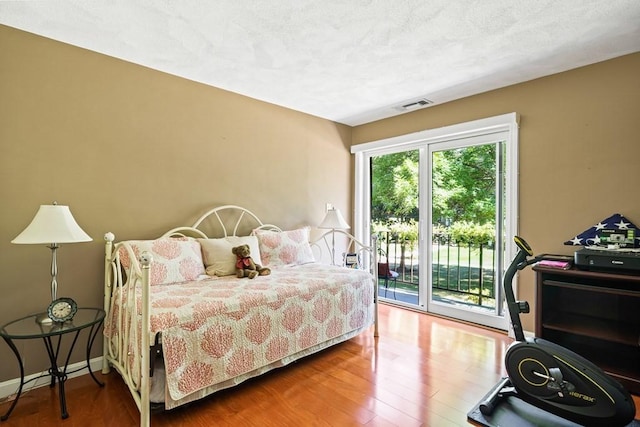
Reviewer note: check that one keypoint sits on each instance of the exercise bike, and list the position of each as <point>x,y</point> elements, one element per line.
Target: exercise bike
<point>551,377</point>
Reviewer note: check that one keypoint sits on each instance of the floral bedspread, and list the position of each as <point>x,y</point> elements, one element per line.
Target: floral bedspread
<point>217,329</point>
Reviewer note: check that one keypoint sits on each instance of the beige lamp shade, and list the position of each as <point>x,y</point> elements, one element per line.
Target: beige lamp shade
<point>334,220</point>
<point>52,224</point>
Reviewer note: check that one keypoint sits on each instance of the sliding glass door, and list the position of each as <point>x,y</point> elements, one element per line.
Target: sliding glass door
<point>443,208</point>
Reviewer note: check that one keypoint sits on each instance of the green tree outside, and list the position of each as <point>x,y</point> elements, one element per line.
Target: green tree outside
<point>463,186</point>
<point>463,199</point>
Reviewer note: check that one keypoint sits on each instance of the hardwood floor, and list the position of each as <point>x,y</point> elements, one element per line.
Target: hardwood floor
<point>421,371</point>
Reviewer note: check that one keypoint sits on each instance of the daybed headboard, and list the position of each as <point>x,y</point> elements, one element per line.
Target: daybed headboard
<point>329,247</point>
<point>223,221</point>
<point>233,220</point>
<point>334,246</point>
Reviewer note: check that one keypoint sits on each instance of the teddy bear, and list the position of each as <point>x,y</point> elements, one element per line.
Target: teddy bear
<point>245,266</point>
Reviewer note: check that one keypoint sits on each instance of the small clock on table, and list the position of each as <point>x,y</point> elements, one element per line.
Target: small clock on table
<point>62,310</point>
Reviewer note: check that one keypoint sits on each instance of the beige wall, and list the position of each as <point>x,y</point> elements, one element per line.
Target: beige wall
<point>137,152</point>
<point>579,149</point>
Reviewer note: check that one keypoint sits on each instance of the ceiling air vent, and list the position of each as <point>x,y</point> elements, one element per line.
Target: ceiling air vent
<point>414,105</point>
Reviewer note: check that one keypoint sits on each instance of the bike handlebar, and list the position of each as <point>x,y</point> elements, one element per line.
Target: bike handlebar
<point>522,244</point>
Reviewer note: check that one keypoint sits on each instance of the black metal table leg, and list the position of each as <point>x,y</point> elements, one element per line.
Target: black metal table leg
<point>15,401</point>
<point>93,332</point>
<point>56,374</point>
<point>53,358</point>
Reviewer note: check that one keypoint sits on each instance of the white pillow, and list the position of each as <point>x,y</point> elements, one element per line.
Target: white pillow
<point>281,248</point>
<point>217,255</point>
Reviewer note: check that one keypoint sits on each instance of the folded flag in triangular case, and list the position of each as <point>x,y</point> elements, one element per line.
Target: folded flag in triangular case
<point>592,236</point>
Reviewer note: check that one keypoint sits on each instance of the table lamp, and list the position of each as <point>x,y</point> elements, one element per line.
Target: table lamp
<point>335,221</point>
<point>52,225</point>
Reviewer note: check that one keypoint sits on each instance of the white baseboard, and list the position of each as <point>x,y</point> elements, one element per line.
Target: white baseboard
<point>9,387</point>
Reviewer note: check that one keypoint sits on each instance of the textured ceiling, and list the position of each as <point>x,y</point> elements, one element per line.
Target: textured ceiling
<point>351,61</point>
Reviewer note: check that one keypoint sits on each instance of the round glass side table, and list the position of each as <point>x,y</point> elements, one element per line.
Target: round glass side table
<point>51,334</point>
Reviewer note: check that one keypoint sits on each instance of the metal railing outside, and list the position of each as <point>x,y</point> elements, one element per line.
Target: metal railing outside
<point>462,272</point>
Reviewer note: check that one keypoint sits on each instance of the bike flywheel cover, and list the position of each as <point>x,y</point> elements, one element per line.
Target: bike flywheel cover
<point>529,370</point>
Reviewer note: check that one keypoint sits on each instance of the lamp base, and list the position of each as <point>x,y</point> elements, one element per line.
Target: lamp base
<point>43,319</point>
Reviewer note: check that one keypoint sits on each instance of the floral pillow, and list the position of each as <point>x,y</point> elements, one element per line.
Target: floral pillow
<point>282,248</point>
<point>217,255</point>
<point>175,260</point>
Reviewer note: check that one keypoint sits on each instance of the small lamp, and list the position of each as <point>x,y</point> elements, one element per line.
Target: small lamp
<point>53,224</point>
<point>335,221</point>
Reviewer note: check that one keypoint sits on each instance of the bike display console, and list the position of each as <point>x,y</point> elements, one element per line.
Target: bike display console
<point>595,314</point>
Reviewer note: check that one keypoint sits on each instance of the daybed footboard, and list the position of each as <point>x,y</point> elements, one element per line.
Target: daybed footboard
<point>128,347</point>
